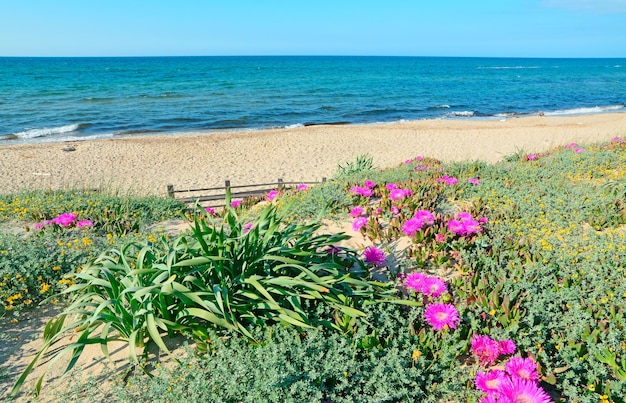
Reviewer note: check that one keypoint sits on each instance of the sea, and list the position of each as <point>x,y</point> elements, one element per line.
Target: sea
<point>68,98</point>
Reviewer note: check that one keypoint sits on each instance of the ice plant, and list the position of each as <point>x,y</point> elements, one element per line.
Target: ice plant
<point>579,150</point>
<point>235,203</point>
<point>448,180</point>
<point>374,256</point>
<point>473,181</point>
<point>441,316</point>
<point>399,194</point>
<point>359,223</point>
<point>361,191</point>
<point>410,227</point>
<point>464,225</point>
<point>522,390</point>
<point>271,195</point>
<point>209,210</point>
<point>488,350</point>
<point>65,219</point>
<point>369,184</point>
<point>415,281</point>
<point>490,382</point>
<point>301,187</point>
<point>434,286</point>
<point>84,224</point>
<point>391,186</point>
<point>523,368</point>
<point>425,215</point>
<point>357,211</point>
<point>532,157</point>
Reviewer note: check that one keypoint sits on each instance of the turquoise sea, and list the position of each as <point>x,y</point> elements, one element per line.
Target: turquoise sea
<point>56,99</point>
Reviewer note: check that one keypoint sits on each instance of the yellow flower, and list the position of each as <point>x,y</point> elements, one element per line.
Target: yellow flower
<point>416,355</point>
<point>56,268</point>
<point>44,287</point>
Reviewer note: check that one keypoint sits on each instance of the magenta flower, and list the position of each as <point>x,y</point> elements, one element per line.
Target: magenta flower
<point>490,382</point>
<point>616,140</point>
<point>579,150</point>
<point>507,347</point>
<point>441,238</point>
<point>485,349</point>
<point>434,286</point>
<point>391,186</point>
<point>357,211</point>
<point>361,191</point>
<point>465,225</point>
<point>359,223</point>
<point>441,316</point>
<point>248,227</point>
<point>301,187</point>
<point>399,194</point>
<point>374,256</point>
<point>415,281</point>
<point>571,145</point>
<point>209,210</point>
<point>522,368</point>
<point>369,184</point>
<point>410,227</point>
<point>84,224</point>
<point>407,161</point>
<point>42,224</point>
<point>473,181</point>
<point>235,203</point>
<point>522,390</point>
<point>456,227</point>
<point>64,219</point>
<point>271,195</point>
<point>532,157</point>
<point>448,180</point>
<point>425,215</point>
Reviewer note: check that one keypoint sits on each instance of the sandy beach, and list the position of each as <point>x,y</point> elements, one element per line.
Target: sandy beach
<point>148,164</point>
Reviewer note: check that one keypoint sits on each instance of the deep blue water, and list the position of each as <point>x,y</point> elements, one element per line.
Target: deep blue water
<point>44,99</point>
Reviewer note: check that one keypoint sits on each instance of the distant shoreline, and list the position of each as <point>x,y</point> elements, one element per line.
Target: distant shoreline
<point>147,164</point>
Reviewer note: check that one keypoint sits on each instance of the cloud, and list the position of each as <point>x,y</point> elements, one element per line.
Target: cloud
<point>593,6</point>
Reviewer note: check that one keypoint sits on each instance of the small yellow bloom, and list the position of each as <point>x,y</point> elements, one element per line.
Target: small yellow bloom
<point>44,288</point>
<point>56,268</point>
<point>416,355</point>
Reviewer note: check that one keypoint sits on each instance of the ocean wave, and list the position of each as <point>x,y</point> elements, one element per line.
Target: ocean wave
<point>461,114</point>
<point>47,131</point>
<point>507,67</point>
<point>294,126</point>
<point>584,111</point>
<point>444,106</point>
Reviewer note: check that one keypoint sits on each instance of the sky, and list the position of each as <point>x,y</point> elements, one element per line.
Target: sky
<point>489,28</point>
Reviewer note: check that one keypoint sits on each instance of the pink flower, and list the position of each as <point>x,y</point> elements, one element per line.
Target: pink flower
<point>448,180</point>
<point>522,390</point>
<point>361,191</point>
<point>359,223</point>
<point>523,368</point>
<point>248,227</point>
<point>235,203</point>
<point>434,286</point>
<point>391,186</point>
<point>441,316</point>
<point>410,227</point>
<point>419,158</point>
<point>209,210</point>
<point>425,215</point>
<point>490,382</point>
<point>407,161</point>
<point>374,256</point>
<point>579,150</point>
<point>369,184</point>
<point>474,181</point>
<point>357,211</point>
<point>507,347</point>
<point>415,281</point>
<point>64,219</point>
<point>301,187</point>
<point>42,224</point>
<point>465,225</point>
<point>271,195</point>
<point>399,194</point>
<point>571,145</point>
<point>84,224</point>
<point>441,238</point>
<point>532,157</point>
<point>394,210</point>
<point>485,349</point>
<point>616,140</point>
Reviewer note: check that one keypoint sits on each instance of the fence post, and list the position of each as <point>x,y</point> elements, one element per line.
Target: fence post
<point>280,184</point>
<point>170,191</point>
<point>323,179</point>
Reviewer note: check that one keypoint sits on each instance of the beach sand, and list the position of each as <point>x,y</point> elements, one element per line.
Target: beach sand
<point>147,164</point>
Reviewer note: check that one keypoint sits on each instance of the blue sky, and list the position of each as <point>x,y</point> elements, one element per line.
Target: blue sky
<point>507,28</point>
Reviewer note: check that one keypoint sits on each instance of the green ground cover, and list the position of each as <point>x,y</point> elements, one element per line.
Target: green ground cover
<point>508,271</point>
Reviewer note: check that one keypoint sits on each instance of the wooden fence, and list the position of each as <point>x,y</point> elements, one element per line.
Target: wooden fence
<point>216,196</point>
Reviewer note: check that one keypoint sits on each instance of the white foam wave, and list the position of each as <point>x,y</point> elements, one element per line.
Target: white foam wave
<point>507,67</point>
<point>294,126</point>
<point>584,111</point>
<point>46,131</point>
<point>442,106</point>
<point>462,114</point>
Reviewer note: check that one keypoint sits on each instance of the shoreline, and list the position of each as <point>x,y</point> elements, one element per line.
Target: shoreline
<point>146,164</point>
